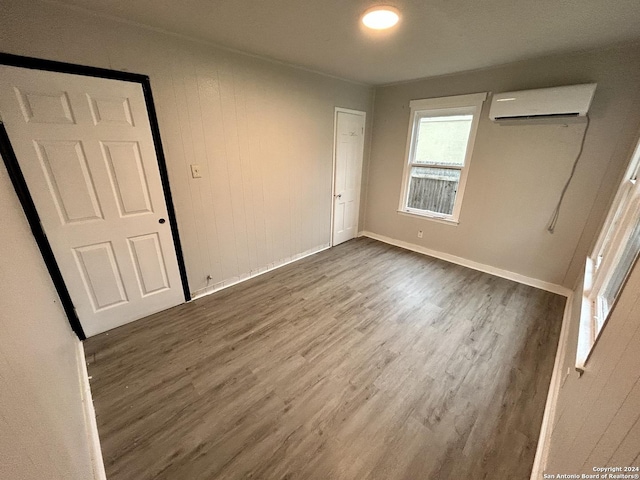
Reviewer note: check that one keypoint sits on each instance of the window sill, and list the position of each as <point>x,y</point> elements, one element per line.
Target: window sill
<point>435,218</point>
<point>586,335</point>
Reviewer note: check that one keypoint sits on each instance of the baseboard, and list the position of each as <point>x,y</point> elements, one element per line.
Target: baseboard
<point>544,440</point>
<point>256,273</point>
<point>516,277</point>
<point>90,417</point>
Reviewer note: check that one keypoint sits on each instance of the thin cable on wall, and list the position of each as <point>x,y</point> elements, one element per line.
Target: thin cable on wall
<point>556,213</point>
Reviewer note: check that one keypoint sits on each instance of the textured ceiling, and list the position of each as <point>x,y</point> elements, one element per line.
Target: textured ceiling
<point>434,37</point>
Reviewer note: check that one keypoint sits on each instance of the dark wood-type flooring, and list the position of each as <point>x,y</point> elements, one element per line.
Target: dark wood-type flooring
<point>361,362</point>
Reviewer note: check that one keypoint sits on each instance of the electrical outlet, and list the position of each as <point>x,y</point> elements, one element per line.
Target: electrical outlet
<point>419,233</point>
<point>195,171</point>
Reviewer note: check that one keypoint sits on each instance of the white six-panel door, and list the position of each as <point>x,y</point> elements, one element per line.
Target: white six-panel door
<point>349,147</point>
<point>85,147</point>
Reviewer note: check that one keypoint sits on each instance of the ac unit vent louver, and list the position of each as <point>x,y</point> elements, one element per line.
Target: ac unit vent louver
<point>567,101</point>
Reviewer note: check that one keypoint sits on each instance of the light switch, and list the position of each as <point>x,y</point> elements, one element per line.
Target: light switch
<point>195,171</point>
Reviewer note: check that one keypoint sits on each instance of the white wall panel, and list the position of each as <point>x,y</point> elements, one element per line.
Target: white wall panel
<point>261,132</point>
<point>42,424</point>
<point>597,416</point>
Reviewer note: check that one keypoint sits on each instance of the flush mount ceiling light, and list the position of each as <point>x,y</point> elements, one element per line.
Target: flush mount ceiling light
<point>380,17</point>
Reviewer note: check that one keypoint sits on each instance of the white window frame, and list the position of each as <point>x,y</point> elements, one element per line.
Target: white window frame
<point>434,107</point>
<point>604,260</point>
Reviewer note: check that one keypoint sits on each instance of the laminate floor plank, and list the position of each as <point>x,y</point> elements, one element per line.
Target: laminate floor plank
<point>364,361</point>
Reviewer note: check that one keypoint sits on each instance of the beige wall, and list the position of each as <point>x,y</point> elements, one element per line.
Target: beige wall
<point>42,428</point>
<point>261,132</point>
<point>597,416</point>
<point>517,172</point>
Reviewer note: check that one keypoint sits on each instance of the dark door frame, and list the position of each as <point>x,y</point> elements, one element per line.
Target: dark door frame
<point>20,185</point>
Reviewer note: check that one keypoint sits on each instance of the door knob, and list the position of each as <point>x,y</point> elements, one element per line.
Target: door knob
<point>162,220</point>
<point>339,195</point>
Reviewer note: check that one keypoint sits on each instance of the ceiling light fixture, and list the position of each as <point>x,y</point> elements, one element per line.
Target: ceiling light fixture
<point>381,17</point>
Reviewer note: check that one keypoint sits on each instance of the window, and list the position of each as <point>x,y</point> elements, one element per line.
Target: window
<point>613,256</point>
<point>440,142</point>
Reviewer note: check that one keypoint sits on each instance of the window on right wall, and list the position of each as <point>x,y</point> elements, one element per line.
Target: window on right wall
<point>611,261</point>
<point>439,147</point>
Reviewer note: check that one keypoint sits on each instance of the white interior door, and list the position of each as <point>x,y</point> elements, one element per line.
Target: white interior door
<point>349,148</point>
<point>85,148</point>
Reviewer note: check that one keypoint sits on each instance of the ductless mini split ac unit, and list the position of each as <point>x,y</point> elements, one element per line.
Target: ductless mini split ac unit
<point>567,101</point>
